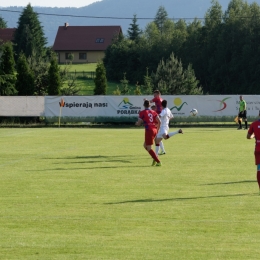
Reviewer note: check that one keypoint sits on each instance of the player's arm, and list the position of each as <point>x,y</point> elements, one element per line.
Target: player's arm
<point>250,133</point>
<point>139,122</point>
<point>158,121</point>
<point>250,136</point>
<point>171,116</point>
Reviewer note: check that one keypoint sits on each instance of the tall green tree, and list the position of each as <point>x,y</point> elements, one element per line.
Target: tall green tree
<point>134,31</point>
<point>160,18</point>
<point>3,23</point>
<point>147,87</point>
<point>170,78</point>
<point>40,68</point>
<point>55,83</point>
<point>7,70</point>
<point>190,84</point>
<point>152,33</point>
<point>100,80</point>
<point>124,83</point>
<point>29,35</point>
<point>25,77</point>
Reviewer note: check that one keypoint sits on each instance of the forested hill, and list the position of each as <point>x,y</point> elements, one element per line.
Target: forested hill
<point>112,8</point>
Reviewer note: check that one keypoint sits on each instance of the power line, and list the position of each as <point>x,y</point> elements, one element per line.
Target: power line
<point>101,17</point>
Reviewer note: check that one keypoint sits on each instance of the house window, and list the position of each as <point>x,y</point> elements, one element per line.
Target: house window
<point>100,40</point>
<point>82,56</point>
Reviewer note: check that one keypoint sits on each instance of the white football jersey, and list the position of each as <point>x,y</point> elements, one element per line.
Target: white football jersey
<point>165,117</point>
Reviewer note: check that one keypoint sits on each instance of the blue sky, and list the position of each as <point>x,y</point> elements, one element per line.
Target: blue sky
<point>48,3</point>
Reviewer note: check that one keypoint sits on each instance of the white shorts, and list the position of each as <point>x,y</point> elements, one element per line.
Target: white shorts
<point>162,131</point>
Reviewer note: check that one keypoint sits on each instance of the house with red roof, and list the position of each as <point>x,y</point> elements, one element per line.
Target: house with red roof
<point>87,44</point>
<point>6,35</point>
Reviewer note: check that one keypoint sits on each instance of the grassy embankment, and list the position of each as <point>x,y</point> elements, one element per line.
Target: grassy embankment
<point>87,84</point>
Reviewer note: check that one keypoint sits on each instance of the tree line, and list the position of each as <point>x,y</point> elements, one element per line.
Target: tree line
<point>27,66</point>
<point>219,55</point>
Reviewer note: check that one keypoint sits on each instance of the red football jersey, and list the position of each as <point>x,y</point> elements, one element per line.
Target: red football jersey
<point>158,103</point>
<point>149,118</point>
<point>255,128</point>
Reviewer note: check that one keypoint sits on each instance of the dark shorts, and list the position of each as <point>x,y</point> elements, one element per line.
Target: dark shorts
<point>242,114</point>
<point>150,135</point>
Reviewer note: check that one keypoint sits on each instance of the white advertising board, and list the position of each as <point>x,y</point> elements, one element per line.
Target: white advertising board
<point>129,106</point>
<point>123,107</point>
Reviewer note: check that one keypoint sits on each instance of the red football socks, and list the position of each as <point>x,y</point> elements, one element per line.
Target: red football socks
<point>154,156</point>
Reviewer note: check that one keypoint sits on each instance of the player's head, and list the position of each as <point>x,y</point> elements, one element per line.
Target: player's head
<point>146,103</point>
<point>156,93</point>
<point>164,103</point>
<point>153,107</point>
<point>241,97</point>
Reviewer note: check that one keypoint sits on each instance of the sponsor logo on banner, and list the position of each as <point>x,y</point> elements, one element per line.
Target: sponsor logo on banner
<point>62,103</point>
<point>222,104</point>
<point>125,107</point>
<point>178,105</point>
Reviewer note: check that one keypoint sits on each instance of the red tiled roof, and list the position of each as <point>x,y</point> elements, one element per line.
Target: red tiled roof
<point>79,38</point>
<point>6,34</point>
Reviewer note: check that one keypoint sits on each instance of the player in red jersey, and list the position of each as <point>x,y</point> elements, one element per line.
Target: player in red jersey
<point>254,132</point>
<point>158,101</point>
<point>152,123</point>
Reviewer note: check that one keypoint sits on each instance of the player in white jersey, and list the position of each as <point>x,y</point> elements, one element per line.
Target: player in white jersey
<point>162,152</point>
<point>165,116</point>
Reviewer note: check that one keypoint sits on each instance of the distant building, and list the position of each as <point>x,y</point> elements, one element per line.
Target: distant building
<point>86,44</point>
<point>6,35</point>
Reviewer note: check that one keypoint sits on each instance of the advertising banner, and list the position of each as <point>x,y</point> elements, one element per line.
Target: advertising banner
<point>127,108</point>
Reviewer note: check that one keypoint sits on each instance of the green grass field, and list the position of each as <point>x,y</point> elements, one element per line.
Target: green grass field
<point>90,193</point>
<point>80,67</point>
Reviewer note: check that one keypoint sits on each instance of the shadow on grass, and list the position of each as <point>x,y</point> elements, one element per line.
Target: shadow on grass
<point>227,183</point>
<point>122,161</point>
<point>91,168</point>
<point>176,199</point>
<point>95,157</point>
<point>107,159</point>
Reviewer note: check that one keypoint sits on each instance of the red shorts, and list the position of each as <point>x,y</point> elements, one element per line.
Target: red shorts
<point>257,157</point>
<point>150,135</point>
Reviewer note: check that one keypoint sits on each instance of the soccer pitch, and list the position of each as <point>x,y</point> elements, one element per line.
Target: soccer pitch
<point>91,193</point>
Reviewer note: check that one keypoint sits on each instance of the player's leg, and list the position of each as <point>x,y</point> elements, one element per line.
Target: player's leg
<point>258,176</point>
<point>149,139</point>
<point>180,131</point>
<point>158,140</point>
<point>157,144</point>
<point>257,162</point>
<point>240,120</point>
<point>245,119</point>
<point>162,148</point>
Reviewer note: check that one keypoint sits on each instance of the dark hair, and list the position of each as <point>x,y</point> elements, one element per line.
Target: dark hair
<point>146,103</point>
<point>156,91</point>
<point>153,106</point>
<point>164,103</point>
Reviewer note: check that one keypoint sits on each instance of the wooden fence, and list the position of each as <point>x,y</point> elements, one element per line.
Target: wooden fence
<point>84,74</point>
